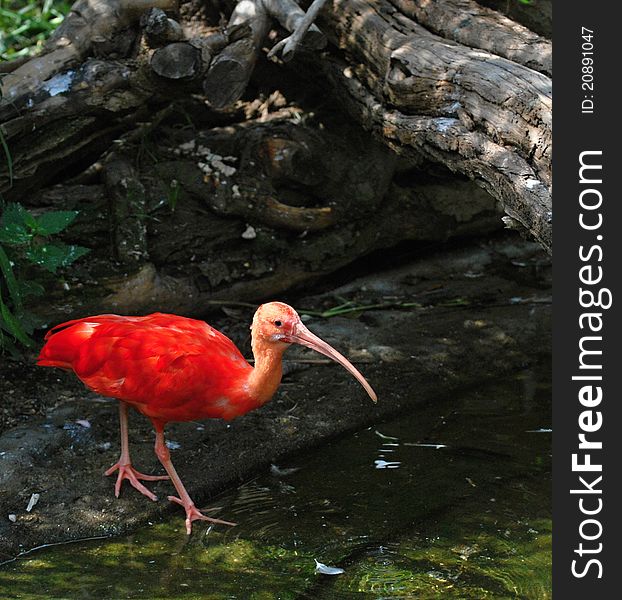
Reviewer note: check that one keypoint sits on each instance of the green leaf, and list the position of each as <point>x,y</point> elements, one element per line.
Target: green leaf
<point>74,253</point>
<point>55,222</point>
<point>9,278</point>
<point>12,223</point>
<point>15,213</point>
<point>29,220</point>
<point>14,235</point>
<point>53,256</point>
<point>11,325</point>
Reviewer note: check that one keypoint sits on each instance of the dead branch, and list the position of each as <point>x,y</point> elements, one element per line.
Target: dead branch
<point>299,24</point>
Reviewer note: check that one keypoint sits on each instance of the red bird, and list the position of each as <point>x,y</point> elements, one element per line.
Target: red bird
<point>171,368</point>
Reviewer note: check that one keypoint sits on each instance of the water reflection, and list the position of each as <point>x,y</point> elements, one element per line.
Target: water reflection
<point>452,501</point>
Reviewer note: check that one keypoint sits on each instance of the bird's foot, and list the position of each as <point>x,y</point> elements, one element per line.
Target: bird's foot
<point>194,514</point>
<point>127,471</point>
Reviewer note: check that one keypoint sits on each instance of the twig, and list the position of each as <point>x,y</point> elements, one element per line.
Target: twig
<point>289,45</point>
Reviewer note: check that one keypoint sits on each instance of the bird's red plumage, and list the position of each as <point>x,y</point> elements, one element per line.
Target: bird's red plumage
<point>169,368</point>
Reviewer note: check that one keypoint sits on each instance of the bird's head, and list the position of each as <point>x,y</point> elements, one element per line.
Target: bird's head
<point>278,324</point>
<point>275,322</point>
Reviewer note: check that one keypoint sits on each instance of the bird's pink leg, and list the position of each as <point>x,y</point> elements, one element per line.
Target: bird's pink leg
<point>124,464</point>
<point>192,512</point>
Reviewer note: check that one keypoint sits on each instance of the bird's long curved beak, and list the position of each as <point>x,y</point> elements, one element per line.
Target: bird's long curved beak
<point>303,336</point>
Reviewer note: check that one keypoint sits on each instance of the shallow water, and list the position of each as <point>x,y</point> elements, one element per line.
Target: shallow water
<point>451,501</point>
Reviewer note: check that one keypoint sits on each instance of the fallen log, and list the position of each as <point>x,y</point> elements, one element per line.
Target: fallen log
<point>477,113</point>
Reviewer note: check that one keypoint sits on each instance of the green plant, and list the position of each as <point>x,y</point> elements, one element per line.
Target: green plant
<point>26,254</point>
<point>24,26</point>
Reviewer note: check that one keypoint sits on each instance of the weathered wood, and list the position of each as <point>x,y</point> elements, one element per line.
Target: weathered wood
<point>178,60</point>
<point>73,120</point>
<point>231,70</point>
<point>160,29</point>
<point>10,65</point>
<point>91,26</point>
<point>74,115</point>
<point>500,170</point>
<point>479,114</point>
<point>422,74</point>
<point>472,25</point>
<point>537,15</point>
<point>93,22</point>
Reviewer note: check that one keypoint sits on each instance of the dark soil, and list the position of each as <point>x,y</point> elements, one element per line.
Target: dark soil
<point>28,391</point>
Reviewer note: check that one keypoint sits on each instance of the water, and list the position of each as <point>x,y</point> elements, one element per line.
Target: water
<point>451,501</point>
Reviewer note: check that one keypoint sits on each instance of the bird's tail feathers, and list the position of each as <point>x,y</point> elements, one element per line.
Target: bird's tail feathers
<point>98,319</point>
<point>63,341</point>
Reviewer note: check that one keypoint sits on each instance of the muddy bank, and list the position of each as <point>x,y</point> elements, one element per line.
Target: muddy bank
<point>448,321</point>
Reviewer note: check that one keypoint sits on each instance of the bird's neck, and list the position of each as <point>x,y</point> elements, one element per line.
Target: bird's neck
<point>265,378</point>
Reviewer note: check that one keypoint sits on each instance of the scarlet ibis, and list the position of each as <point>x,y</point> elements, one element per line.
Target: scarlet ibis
<point>171,368</point>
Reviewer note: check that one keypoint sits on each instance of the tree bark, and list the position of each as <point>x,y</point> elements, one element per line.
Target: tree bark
<point>475,26</point>
<point>537,15</point>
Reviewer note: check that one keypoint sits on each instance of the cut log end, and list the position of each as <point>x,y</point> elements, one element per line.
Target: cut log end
<point>176,61</point>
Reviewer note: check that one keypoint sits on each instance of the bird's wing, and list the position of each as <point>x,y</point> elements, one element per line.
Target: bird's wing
<point>159,359</point>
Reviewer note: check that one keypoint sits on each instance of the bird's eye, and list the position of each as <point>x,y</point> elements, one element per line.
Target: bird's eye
<point>278,323</point>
